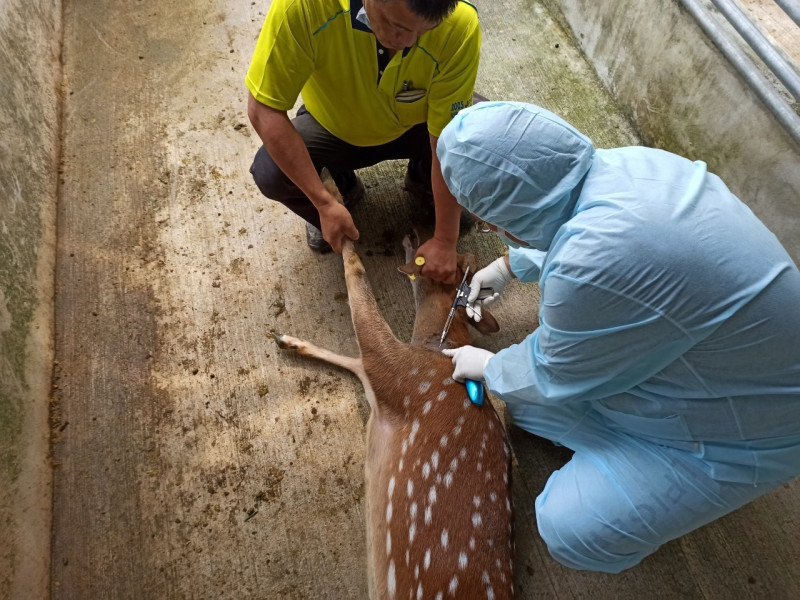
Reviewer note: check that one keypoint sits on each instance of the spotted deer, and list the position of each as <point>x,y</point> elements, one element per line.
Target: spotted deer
<point>437,467</point>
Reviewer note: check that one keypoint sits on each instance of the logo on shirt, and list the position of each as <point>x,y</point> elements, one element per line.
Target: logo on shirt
<point>457,106</point>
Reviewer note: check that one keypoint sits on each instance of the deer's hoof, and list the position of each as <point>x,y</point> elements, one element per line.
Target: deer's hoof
<point>285,342</point>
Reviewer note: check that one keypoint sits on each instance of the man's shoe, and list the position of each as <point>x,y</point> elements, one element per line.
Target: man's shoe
<point>350,198</point>
<point>420,190</point>
<point>355,194</point>
<point>315,240</point>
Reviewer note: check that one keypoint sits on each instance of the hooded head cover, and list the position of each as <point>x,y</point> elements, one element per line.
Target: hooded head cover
<point>515,165</point>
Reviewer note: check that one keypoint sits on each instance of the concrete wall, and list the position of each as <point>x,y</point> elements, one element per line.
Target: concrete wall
<point>30,73</point>
<point>684,97</point>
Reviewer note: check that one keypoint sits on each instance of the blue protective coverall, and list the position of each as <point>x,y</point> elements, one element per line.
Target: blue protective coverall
<point>668,349</point>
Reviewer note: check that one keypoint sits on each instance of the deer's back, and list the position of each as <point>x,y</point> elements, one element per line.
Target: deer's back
<point>438,488</point>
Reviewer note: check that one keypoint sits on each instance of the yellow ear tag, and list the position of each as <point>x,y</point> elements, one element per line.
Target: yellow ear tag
<point>419,261</point>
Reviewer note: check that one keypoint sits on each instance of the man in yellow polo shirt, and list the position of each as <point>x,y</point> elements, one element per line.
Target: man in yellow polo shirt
<point>380,80</point>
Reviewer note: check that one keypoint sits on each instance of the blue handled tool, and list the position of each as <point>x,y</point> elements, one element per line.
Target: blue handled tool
<point>462,293</point>
<point>460,300</point>
<point>474,391</point>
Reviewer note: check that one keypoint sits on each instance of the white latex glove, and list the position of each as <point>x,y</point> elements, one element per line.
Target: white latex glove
<point>469,362</point>
<point>495,276</point>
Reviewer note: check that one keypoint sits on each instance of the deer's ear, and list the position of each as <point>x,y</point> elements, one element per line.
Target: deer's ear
<point>411,269</point>
<point>487,324</point>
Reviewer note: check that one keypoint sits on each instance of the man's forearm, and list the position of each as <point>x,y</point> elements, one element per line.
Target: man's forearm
<point>448,211</point>
<point>286,148</point>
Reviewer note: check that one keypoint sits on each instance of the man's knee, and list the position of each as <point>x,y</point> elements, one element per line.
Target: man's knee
<point>268,177</point>
<point>581,538</point>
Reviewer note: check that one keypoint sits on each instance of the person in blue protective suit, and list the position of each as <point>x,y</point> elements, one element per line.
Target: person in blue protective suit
<point>666,354</point>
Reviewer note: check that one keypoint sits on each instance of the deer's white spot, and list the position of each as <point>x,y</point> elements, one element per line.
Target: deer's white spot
<point>492,496</point>
<point>445,538</point>
<point>428,515</point>
<point>413,510</point>
<point>425,386</point>
<point>505,477</point>
<point>404,447</point>
<point>432,495</point>
<point>479,466</point>
<point>435,459</point>
<point>508,505</point>
<point>489,593</point>
<point>476,500</point>
<point>467,402</point>
<point>485,578</point>
<point>427,561</point>
<point>426,407</point>
<point>400,465</point>
<point>426,470</point>
<point>415,371</point>
<point>472,543</point>
<point>457,430</point>
<point>419,592</point>
<point>406,401</point>
<point>388,543</point>
<point>438,596</point>
<point>414,430</point>
<point>412,532</point>
<point>442,395</point>
<point>391,582</point>
<point>488,475</point>
<point>463,453</point>
<point>462,560</point>
<point>410,488</point>
<point>448,381</point>
<point>491,424</point>
<point>391,486</point>
<point>453,586</point>
<point>454,464</point>
<point>448,479</point>
<point>443,441</point>
<point>477,520</point>
<point>389,512</point>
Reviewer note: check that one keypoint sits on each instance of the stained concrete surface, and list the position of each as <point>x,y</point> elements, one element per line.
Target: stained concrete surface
<point>191,459</point>
<point>29,121</point>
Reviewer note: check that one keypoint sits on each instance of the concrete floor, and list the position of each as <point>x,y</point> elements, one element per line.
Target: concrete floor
<point>192,460</point>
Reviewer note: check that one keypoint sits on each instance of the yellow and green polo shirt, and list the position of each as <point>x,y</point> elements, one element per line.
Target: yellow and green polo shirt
<point>319,48</point>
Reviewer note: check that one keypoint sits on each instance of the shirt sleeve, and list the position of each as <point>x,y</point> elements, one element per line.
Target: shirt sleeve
<point>452,89</point>
<point>591,343</point>
<point>526,263</point>
<point>283,59</point>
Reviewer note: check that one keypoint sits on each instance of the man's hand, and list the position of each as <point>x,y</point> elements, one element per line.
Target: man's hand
<point>441,260</point>
<point>469,362</point>
<point>337,224</point>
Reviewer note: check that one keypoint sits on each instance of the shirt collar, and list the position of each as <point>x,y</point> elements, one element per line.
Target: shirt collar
<point>360,20</point>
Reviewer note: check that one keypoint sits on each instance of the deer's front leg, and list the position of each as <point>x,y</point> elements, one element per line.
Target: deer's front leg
<point>304,348</point>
